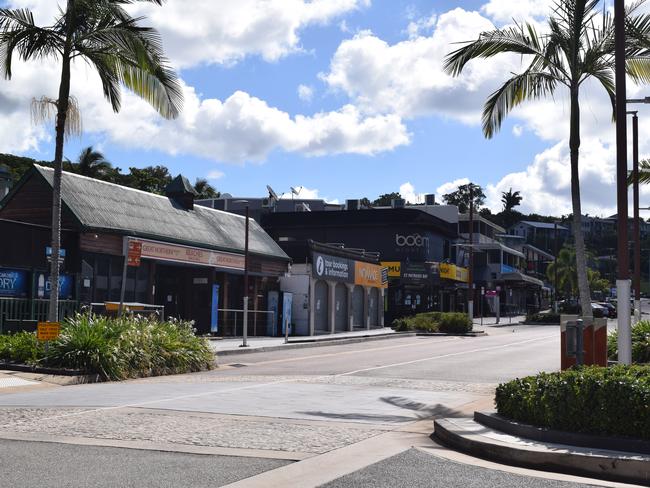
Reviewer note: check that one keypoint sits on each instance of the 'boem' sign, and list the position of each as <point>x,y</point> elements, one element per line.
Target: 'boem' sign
<point>13,283</point>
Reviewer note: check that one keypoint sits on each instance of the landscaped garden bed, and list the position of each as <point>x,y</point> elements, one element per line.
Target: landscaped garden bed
<point>640,343</point>
<point>543,319</point>
<point>593,400</point>
<point>113,348</point>
<point>433,322</point>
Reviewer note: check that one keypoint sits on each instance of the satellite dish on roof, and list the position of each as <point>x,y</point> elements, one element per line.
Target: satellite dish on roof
<point>294,191</point>
<point>272,193</point>
<point>225,196</point>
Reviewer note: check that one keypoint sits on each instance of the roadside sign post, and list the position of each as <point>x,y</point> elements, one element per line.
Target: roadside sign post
<point>48,331</point>
<point>132,257</point>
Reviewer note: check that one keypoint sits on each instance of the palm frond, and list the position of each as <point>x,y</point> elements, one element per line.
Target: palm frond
<point>644,173</point>
<point>510,40</point>
<point>529,85</point>
<point>44,110</point>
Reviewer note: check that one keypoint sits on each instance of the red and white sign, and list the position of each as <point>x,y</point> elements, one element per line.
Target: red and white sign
<point>490,293</point>
<point>134,253</point>
<point>190,255</point>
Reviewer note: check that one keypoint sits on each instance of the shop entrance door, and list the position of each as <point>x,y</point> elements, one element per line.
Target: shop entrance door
<point>357,307</point>
<point>341,308</point>
<point>321,308</point>
<point>169,290</point>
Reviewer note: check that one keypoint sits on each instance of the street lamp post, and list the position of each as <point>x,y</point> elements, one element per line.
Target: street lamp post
<point>637,226</point>
<point>623,278</point>
<point>470,273</point>
<point>555,301</point>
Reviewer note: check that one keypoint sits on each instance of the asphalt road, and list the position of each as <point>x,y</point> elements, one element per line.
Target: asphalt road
<point>46,465</point>
<point>416,469</point>
<point>304,401</point>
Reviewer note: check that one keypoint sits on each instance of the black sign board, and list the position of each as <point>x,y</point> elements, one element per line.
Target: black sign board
<point>332,268</point>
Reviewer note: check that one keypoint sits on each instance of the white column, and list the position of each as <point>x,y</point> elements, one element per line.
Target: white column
<point>366,306</point>
<point>380,306</point>
<point>312,302</point>
<point>624,327</point>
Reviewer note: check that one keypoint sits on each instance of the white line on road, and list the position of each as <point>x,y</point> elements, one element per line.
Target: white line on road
<point>554,336</point>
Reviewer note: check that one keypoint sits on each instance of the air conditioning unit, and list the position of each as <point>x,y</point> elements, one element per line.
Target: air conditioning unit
<point>352,204</point>
<point>430,199</point>
<point>266,203</point>
<point>398,203</point>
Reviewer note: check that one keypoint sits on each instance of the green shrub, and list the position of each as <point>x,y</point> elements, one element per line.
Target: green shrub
<point>401,325</point>
<point>128,347</point>
<point>423,322</point>
<point>22,347</point>
<point>543,318</point>
<point>640,343</point>
<point>594,400</point>
<point>455,323</point>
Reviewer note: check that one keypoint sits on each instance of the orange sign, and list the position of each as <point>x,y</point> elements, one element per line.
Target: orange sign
<point>48,331</point>
<point>366,274</point>
<point>192,255</point>
<point>135,253</point>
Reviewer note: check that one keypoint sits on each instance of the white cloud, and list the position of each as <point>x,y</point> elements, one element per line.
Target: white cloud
<point>507,10</point>
<point>215,174</point>
<point>407,190</point>
<point>305,93</point>
<point>421,26</point>
<point>209,32</point>
<point>451,186</point>
<point>237,129</point>
<point>407,78</point>
<point>517,130</point>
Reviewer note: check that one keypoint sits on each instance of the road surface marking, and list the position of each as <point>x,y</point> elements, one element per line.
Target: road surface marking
<point>554,336</point>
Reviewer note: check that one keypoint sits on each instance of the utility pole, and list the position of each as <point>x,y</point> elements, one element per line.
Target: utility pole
<point>470,290</point>
<point>623,278</point>
<point>637,225</point>
<point>555,300</point>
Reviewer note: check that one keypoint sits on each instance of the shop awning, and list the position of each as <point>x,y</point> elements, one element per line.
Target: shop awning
<point>523,278</point>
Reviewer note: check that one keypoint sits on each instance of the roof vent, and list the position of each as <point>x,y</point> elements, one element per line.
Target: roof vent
<point>182,192</point>
<point>398,203</point>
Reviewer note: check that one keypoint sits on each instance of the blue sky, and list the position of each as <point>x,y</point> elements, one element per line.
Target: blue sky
<point>440,141</point>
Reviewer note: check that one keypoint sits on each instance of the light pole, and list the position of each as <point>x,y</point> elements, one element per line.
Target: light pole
<point>623,278</point>
<point>245,331</point>
<point>470,276</point>
<point>555,301</point>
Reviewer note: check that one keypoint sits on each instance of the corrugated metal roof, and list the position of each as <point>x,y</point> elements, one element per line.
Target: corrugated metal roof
<point>99,205</point>
<point>542,225</point>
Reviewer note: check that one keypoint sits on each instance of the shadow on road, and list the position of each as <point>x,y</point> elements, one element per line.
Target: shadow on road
<point>422,410</point>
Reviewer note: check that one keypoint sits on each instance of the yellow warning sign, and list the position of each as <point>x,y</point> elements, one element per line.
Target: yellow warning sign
<point>48,331</point>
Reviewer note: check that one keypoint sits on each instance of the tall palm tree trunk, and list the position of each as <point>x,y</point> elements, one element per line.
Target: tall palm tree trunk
<point>581,258</point>
<point>62,111</point>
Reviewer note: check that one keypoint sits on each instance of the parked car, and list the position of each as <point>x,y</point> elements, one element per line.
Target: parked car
<point>599,311</point>
<point>611,309</point>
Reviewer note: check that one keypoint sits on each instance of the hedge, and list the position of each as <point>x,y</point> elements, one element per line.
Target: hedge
<point>543,318</point>
<point>453,323</point>
<point>594,400</point>
<point>640,343</point>
<point>115,348</point>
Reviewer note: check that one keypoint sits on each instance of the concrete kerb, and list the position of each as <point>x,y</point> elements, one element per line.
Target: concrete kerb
<point>331,342</point>
<point>609,465</point>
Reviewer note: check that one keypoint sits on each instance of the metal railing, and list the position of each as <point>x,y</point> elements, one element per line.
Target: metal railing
<point>231,321</point>
<point>26,310</point>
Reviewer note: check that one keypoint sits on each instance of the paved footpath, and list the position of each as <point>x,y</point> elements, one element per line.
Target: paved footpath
<point>298,417</point>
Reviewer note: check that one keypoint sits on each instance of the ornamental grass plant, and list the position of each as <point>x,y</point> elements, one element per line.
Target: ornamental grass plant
<point>640,343</point>
<point>114,348</point>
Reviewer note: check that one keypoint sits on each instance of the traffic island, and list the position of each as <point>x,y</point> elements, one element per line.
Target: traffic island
<point>477,439</point>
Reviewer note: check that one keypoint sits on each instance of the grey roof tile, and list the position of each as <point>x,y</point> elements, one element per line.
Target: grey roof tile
<point>99,205</point>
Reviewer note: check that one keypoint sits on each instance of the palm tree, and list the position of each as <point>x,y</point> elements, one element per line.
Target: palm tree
<point>567,272</point>
<point>92,163</point>
<point>105,36</point>
<point>510,199</point>
<point>205,189</point>
<point>578,46</point>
